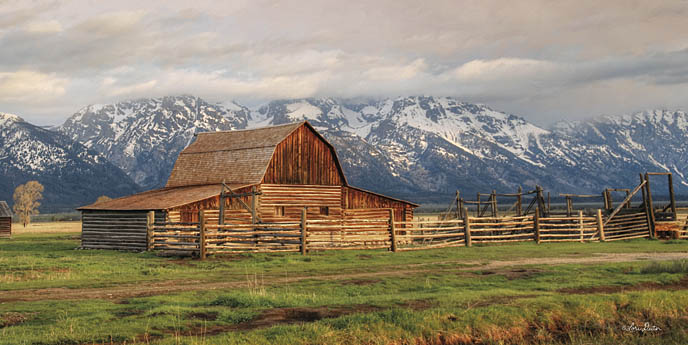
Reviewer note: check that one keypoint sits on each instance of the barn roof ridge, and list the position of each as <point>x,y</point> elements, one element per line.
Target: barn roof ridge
<point>255,128</point>
<point>232,149</point>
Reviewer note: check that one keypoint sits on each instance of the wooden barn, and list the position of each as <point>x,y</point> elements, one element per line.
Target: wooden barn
<point>5,220</point>
<point>259,175</point>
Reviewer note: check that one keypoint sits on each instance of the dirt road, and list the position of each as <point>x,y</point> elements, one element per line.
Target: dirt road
<point>172,286</point>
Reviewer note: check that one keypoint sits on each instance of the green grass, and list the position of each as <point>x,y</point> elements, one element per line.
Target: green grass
<point>676,266</point>
<point>447,297</point>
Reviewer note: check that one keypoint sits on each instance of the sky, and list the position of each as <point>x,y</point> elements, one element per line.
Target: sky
<point>540,59</point>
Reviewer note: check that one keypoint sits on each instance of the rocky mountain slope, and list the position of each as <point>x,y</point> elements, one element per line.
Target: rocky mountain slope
<point>420,148</point>
<point>71,173</point>
<point>144,137</point>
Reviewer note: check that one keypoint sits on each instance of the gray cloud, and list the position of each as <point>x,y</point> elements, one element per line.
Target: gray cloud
<point>541,59</point>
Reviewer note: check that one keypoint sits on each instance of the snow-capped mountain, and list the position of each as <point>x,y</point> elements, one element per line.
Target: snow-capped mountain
<point>656,139</point>
<point>421,148</point>
<point>143,137</point>
<point>71,173</point>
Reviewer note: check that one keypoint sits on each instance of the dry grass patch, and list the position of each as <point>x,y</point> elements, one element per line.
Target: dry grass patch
<point>46,228</point>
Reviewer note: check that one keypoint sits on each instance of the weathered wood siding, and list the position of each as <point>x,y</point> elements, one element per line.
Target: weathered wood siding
<point>358,199</point>
<point>284,202</point>
<point>233,207</point>
<point>124,230</point>
<point>305,159</point>
<point>5,226</point>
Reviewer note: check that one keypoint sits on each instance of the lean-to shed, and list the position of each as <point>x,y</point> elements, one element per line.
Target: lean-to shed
<point>5,220</point>
<point>264,175</point>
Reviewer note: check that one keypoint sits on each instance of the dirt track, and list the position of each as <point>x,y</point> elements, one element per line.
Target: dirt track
<point>126,291</point>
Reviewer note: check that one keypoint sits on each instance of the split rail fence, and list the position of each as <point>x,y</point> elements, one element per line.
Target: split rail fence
<point>378,229</point>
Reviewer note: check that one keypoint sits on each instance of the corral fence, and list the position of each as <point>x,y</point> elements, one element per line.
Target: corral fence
<point>378,229</point>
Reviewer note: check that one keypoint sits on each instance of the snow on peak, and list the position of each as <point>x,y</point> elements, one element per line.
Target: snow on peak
<point>303,111</point>
<point>6,118</point>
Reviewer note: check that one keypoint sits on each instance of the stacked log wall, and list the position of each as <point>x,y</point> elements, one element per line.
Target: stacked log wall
<point>121,230</point>
<point>291,199</point>
<point>5,226</point>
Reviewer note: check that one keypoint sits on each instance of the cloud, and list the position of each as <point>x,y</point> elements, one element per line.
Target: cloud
<point>30,86</point>
<point>44,27</point>
<point>129,90</point>
<point>502,68</point>
<point>396,72</point>
<point>521,56</point>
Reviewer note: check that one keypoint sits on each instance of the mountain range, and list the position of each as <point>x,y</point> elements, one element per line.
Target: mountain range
<point>418,148</point>
<point>71,173</point>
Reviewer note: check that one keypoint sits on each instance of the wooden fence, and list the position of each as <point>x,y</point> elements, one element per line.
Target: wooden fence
<point>627,226</point>
<point>570,229</point>
<point>379,230</point>
<point>503,229</point>
<point>423,234</point>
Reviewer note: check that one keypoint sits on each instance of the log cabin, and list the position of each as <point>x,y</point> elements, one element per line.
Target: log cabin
<point>5,220</point>
<point>258,175</point>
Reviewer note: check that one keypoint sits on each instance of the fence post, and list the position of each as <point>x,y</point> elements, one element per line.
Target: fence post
<point>458,205</point>
<point>150,220</point>
<point>201,234</point>
<point>392,230</point>
<point>536,224</point>
<point>303,231</point>
<point>466,228</point>
<point>519,207</point>
<point>580,225</point>
<point>494,203</point>
<point>600,225</point>
<point>651,207</point>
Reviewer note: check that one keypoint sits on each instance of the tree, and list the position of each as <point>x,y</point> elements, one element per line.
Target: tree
<point>26,198</point>
<point>103,198</point>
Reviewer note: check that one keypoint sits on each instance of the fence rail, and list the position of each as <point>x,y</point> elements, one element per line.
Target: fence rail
<point>375,229</point>
<point>569,229</point>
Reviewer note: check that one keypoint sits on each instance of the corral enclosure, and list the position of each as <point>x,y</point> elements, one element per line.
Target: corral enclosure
<point>380,228</point>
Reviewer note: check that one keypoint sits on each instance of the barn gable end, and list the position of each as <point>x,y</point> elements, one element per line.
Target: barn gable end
<point>304,158</point>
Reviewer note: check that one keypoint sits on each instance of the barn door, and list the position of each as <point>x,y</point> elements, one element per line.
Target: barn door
<point>227,192</point>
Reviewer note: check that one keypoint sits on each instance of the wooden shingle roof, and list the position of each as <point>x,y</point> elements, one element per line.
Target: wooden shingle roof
<point>160,199</point>
<point>5,210</point>
<point>237,157</point>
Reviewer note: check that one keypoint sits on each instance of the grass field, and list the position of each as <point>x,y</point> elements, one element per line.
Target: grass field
<point>592,293</point>
<point>46,227</point>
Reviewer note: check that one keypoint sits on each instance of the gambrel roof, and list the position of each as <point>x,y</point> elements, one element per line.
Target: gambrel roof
<point>237,157</point>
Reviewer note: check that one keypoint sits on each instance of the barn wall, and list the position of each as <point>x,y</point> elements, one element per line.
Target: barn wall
<point>293,198</point>
<point>5,226</point>
<point>233,207</point>
<point>303,158</point>
<point>357,199</point>
<point>125,230</point>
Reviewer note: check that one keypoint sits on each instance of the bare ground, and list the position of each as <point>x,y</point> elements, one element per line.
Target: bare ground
<point>175,286</point>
